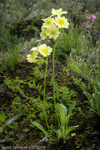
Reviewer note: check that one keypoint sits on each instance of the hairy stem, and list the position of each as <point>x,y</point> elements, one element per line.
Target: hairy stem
<point>54,81</point>
<point>45,90</point>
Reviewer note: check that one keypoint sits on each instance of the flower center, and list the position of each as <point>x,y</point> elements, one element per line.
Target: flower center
<point>52,32</point>
<point>44,32</point>
<point>48,22</point>
<point>45,50</point>
<point>32,56</point>
<point>61,22</point>
<point>58,12</point>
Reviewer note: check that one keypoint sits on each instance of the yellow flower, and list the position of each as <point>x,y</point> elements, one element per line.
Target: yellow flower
<point>45,50</point>
<point>35,48</point>
<point>53,32</point>
<point>66,70</point>
<point>86,11</point>
<point>58,12</point>
<point>48,21</point>
<point>32,57</point>
<point>43,33</point>
<point>61,22</point>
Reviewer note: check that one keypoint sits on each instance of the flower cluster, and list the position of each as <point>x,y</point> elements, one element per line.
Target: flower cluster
<point>51,28</point>
<point>90,19</point>
<point>43,49</point>
<point>52,24</point>
<point>86,24</point>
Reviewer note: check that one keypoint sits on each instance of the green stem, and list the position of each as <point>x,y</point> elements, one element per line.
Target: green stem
<point>54,72</point>
<point>54,77</point>
<point>54,81</point>
<point>44,91</point>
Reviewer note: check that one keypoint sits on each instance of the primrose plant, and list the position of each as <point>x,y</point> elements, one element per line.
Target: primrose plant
<point>51,29</point>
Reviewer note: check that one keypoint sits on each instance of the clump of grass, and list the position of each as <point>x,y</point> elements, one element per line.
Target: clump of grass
<point>11,59</point>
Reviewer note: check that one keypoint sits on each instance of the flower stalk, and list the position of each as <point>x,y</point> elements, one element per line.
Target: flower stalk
<point>44,106</point>
<point>54,80</point>
<point>54,71</point>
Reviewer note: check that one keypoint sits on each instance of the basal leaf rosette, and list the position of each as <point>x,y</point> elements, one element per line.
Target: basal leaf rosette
<point>45,50</point>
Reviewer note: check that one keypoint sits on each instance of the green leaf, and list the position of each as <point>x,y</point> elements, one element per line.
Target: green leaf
<point>2,117</point>
<point>97,45</point>
<point>38,125</point>
<point>9,121</point>
<point>71,108</point>
<point>98,85</point>
<point>59,134</point>
<point>91,103</point>
<point>73,134</point>
<point>61,112</point>
<point>65,109</point>
<point>69,129</point>
<point>1,129</point>
<point>87,94</point>
<point>66,120</point>
<point>3,140</point>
